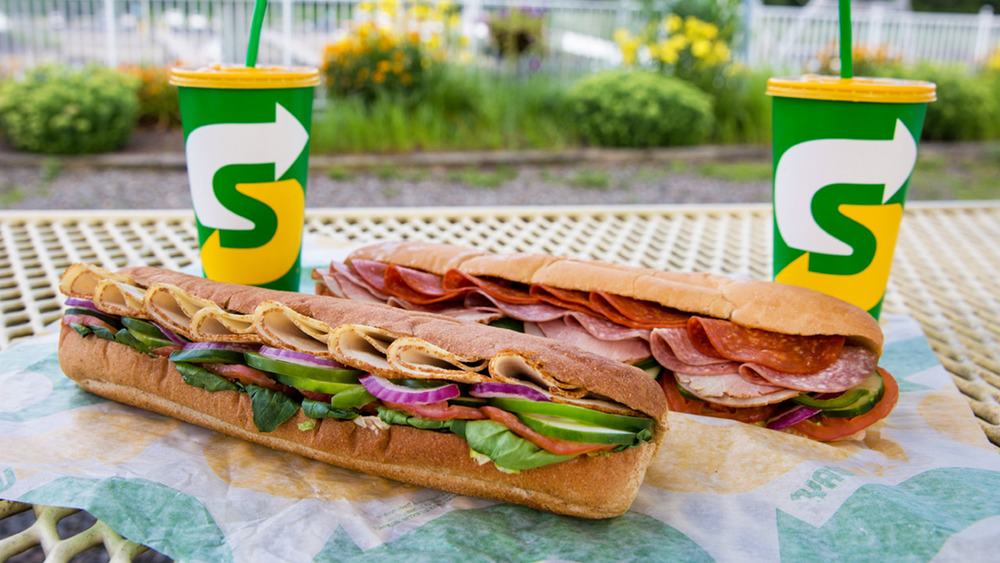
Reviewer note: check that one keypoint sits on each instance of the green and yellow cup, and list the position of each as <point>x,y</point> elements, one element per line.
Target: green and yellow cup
<point>246,141</point>
<point>844,150</point>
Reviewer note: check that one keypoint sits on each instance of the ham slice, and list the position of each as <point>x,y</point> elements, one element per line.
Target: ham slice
<point>569,330</point>
<point>341,281</point>
<point>502,290</point>
<point>417,286</point>
<point>732,390</point>
<point>674,350</point>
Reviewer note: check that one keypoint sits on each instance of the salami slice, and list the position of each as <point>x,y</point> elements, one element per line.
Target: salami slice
<point>782,352</point>
<point>852,366</point>
<point>344,282</point>
<point>418,286</point>
<point>508,292</point>
<point>665,354</point>
<point>570,299</point>
<point>372,272</point>
<point>636,313</point>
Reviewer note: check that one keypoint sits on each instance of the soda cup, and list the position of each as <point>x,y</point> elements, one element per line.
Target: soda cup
<point>844,150</point>
<point>246,142</point>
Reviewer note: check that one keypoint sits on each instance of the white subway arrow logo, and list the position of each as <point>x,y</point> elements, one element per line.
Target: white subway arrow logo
<point>211,147</point>
<point>808,167</point>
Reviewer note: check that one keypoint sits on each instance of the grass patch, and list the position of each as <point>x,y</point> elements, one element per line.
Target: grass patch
<point>961,177</point>
<point>339,173</point>
<point>739,171</point>
<point>465,110</point>
<point>10,194</point>
<point>590,178</point>
<point>483,178</point>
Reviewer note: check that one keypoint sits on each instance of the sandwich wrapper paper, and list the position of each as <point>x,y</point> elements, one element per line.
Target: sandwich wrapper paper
<point>923,485</point>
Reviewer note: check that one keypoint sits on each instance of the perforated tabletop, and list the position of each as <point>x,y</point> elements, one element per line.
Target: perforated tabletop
<point>946,271</point>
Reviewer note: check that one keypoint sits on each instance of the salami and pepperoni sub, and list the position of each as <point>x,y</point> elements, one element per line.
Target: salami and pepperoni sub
<point>415,397</point>
<point>759,352</point>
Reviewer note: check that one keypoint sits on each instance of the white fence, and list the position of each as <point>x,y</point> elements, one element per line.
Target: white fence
<point>792,38</point>
<point>578,32</point>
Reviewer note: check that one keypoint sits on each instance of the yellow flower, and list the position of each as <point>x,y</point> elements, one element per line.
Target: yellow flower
<point>383,66</point>
<point>677,42</point>
<point>668,54</point>
<point>673,23</point>
<point>700,48</point>
<point>721,51</point>
<point>378,77</point>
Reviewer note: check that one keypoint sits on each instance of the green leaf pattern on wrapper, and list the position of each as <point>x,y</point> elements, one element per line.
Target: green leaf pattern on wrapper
<point>39,361</point>
<point>119,502</point>
<point>506,532</point>
<point>926,509</point>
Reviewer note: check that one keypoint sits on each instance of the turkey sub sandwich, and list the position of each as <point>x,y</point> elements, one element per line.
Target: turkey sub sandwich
<point>410,396</point>
<point>759,352</point>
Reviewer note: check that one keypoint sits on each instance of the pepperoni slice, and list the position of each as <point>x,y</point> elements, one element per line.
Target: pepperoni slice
<point>783,352</point>
<point>636,313</point>
<point>372,272</point>
<point>571,299</point>
<point>418,286</point>
<point>554,445</point>
<point>503,290</point>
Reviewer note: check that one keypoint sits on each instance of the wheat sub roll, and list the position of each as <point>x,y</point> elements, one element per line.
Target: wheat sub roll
<point>417,346</point>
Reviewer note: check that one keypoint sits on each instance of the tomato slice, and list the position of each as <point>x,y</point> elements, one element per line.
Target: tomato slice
<point>679,403</point>
<point>554,445</point>
<point>438,411</point>
<point>826,429</point>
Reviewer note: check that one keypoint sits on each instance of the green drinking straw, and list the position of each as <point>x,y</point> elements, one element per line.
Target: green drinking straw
<point>846,64</point>
<point>254,43</point>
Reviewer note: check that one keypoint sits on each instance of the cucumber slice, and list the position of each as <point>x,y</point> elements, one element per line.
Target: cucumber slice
<point>474,402</point>
<point>572,412</point>
<point>575,431</point>
<point>508,323</point>
<point>207,356</point>
<point>650,366</point>
<point>146,333</point>
<point>871,389</point>
<point>335,379</point>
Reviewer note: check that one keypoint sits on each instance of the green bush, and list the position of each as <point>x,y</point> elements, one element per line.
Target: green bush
<point>59,110</point>
<point>967,106</point>
<point>639,109</point>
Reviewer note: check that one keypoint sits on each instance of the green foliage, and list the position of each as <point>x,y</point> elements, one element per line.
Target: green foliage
<point>461,110</point>
<point>60,110</point>
<point>967,106</point>
<point>159,106</point>
<point>639,109</point>
<point>742,108</point>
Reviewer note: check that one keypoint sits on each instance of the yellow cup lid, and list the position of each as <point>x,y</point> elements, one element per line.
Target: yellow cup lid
<point>231,76</point>
<point>858,89</point>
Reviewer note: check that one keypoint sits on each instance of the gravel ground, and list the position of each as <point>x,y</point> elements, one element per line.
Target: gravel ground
<point>583,184</point>
<point>82,183</point>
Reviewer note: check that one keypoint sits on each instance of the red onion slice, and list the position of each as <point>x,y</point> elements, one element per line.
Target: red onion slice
<point>792,417</point>
<point>390,392</point>
<point>507,390</point>
<point>229,346</point>
<point>171,335</point>
<point>300,358</point>
<point>83,304</point>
